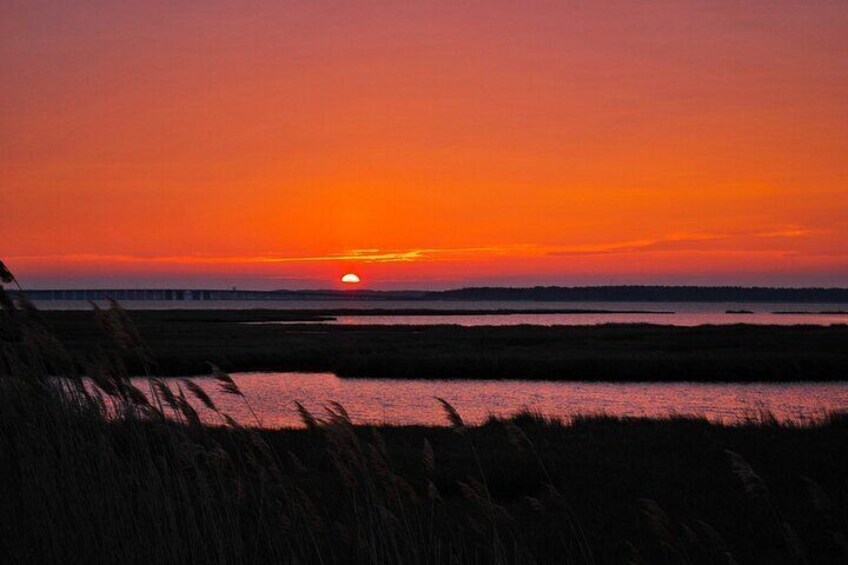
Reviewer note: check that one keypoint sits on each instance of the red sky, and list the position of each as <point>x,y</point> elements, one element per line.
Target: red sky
<point>424,144</point>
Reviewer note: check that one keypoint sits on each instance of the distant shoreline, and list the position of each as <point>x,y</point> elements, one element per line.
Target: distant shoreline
<point>811,313</point>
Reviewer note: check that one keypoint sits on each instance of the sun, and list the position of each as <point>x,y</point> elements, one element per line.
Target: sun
<point>350,278</point>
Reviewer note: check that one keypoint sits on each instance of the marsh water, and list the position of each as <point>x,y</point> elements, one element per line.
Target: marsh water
<point>405,402</point>
<point>672,313</point>
<point>670,317</point>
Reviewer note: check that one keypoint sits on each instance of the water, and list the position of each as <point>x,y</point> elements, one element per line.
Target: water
<point>677,313</point>
<point>405,402</point>
<point>683,318</point>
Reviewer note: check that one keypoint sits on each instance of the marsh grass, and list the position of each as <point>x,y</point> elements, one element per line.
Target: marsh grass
<point>112,474</point>
<point>107,473</point>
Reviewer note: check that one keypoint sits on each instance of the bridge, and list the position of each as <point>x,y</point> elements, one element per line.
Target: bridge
<point>127,294</point>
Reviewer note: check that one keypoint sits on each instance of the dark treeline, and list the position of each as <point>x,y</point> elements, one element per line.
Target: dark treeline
<point>647,294</point>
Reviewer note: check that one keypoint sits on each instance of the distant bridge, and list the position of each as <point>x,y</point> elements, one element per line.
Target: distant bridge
<point>126,294</point>
<point>183,294</point>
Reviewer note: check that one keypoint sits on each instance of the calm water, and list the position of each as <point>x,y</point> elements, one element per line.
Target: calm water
<point>678,313</point>
<point>679,318</point>
<point>272,396</point>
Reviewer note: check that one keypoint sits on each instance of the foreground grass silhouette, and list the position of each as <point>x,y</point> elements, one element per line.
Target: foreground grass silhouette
<point>109,473</point>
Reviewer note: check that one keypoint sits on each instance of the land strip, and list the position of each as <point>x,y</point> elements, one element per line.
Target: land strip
<point>184,342</point>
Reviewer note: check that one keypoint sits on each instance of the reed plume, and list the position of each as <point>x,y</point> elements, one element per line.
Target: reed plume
<point>452,415</point>
<point>199,394</point>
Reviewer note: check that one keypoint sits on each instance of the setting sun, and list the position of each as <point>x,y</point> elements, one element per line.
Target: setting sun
<point>350,278</point>
<point>442,143</point>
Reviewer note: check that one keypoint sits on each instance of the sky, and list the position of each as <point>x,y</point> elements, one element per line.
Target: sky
<point>423,144</point>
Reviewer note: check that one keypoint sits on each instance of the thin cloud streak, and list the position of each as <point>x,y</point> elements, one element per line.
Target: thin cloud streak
<point>682,242</point>
<point>676,242</point>
<point>361,255</point>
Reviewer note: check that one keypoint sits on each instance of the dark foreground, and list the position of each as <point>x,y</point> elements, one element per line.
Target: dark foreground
<point>518,491</point>
<point>111,475</point>
<point>185,342</point>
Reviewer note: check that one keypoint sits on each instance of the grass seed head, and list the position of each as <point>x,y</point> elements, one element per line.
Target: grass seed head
<point>306,416</point>
<point>225,381</point>
<point>199,393</point>
<point>452,415</point>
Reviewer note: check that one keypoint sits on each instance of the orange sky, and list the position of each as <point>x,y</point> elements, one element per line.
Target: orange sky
<point>424,144</point>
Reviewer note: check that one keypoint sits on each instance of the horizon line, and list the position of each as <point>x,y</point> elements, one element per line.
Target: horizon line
<point>421,290</point>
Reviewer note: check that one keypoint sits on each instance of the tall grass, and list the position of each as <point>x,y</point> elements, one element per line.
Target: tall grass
<point>108,473</point>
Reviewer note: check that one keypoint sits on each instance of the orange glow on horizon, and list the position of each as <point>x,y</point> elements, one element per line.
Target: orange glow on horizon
<point>438,143</point>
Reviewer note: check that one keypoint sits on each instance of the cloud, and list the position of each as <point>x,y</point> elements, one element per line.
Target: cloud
<point>786,232</point>
<point>355,255</point>
<point>686,241</point>
<point>672,242</point>
<point>680,241</point>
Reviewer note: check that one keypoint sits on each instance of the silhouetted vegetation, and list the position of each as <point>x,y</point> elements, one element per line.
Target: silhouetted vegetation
<point>184,341</point>
<point>106,472</point>
<point>637,293</point>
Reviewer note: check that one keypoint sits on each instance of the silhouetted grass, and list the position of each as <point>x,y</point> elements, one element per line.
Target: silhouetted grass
<point>113,474</point>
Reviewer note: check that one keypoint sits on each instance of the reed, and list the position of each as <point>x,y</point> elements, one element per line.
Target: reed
<point>95,470</point>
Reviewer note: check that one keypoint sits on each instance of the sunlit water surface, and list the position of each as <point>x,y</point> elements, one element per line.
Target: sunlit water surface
<point>674,313</point>
<point>671,318</point>
<point>273,395</point>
